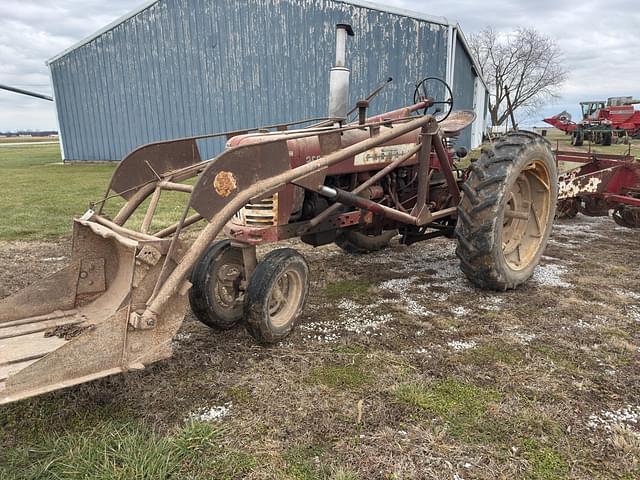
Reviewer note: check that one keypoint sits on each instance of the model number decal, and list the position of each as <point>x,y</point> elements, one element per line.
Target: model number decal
<point>382,154</point>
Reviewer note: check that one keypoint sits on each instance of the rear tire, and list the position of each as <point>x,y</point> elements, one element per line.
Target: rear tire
<point>507,210</point>
<point>353,241</point>
<point>215,291</point>
<point>276,295</point>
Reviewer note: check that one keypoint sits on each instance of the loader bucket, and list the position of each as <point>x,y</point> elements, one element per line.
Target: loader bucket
<point>74,326</point>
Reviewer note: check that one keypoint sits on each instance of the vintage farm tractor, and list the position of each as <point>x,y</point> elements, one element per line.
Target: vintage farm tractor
<point>124,295</point>
<point>601,121</point>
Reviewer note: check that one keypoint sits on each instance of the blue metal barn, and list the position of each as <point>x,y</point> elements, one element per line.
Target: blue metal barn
<point>175,68</point>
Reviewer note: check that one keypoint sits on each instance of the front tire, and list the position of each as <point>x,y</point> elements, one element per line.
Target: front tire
<point>276,295</point>
<point>507,210</point>
<point>215,295</point>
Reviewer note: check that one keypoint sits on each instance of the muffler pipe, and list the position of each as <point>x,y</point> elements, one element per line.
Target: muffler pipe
<point>339,75</point>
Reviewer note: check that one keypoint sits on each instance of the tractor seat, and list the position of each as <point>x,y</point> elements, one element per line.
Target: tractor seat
<point>457,121</point>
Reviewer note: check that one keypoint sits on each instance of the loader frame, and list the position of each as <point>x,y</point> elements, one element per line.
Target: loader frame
<point>218,195</point>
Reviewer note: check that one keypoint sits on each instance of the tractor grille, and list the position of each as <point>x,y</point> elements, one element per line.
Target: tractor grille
<point>260,214</point>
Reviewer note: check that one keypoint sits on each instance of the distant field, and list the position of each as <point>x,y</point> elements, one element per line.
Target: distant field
<point>41,195</point>
<point>27,139</point>
<point>563,142</point>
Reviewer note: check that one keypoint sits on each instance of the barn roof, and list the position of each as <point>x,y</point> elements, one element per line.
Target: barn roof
<point>359,3</point>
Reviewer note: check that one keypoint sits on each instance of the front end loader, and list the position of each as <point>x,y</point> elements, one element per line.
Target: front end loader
<point>124,295</point>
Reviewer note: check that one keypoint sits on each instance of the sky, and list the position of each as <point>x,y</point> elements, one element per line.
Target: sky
<point>600,40</point>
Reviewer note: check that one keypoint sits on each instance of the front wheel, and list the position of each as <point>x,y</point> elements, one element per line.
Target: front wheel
<point>215,295</point>
<point>506,211</point>
<point>275,295</point>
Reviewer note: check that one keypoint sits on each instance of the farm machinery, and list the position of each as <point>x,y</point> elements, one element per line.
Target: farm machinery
<point>125,293</point>
<point>600,184</point>
<point>601,122</point>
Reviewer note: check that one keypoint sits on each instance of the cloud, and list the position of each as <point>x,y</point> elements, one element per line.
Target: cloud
<point>599,43</point>
<point>32,31</point>
<point>599,40</point>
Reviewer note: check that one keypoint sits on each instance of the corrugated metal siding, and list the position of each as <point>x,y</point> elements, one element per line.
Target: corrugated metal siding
<point>188,67</point>
<point>463,83</point>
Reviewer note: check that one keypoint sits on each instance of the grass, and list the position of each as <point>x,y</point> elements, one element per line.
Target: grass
<point>493,353</point>
<point>471,415</point>
<point>545,463</point>
<point>40,195</point>
<point>342,377</point>
<point>305,462</point>
<point>464,407</point>
<point>562,141</point>
<point>355,289</point>
<point>115,450</point>
<point>300,462</point>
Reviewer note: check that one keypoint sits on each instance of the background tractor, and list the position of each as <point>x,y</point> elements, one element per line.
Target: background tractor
<point>602,122</point>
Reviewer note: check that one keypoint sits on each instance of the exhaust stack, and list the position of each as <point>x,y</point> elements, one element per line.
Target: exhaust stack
<point>339,75</point>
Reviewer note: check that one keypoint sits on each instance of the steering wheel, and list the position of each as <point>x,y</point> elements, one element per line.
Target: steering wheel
<point>422,92</point>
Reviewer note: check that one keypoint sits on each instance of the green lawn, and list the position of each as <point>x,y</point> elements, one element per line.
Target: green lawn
<point>41,195</point>
<point>562,141</point>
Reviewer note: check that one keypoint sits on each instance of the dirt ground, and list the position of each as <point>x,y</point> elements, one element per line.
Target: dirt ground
<point>400,368</point>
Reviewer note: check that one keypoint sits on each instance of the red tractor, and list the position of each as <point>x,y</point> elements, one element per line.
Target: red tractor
<point>357,183</point>
<point>601,121</point>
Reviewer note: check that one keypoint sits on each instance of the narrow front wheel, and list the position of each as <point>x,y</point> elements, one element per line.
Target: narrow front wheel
<point>276,295</point>
<point>215,295</point>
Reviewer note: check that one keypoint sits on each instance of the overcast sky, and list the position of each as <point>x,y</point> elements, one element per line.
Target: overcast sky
<point>600,39</point>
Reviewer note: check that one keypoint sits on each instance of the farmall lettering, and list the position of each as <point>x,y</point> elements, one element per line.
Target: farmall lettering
<point>384,154</point>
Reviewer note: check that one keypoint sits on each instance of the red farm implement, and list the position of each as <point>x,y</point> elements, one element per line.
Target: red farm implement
<point>600,183</point>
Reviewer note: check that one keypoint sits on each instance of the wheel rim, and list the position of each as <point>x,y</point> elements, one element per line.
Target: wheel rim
<point>284,298</point>
<point>226,289</point>
<point>525,215</point>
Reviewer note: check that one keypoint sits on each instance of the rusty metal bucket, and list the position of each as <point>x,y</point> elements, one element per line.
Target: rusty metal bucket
<point>73,326</point>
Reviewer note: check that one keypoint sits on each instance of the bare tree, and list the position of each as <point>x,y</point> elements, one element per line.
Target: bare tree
<point>525,64</point>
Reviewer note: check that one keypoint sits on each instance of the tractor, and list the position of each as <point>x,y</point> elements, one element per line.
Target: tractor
<point>354,182</point>
<point>601,121</point>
